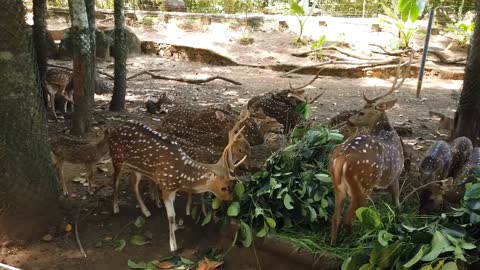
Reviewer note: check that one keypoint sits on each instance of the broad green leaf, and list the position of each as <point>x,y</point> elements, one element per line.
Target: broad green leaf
<point>473,193</point>
<point>287,202</point>
<point>439,265</point>
<point>324,203</point>
<point>258,211</point>
<point>138,240</point>
<point>450,266</point>
<point>369,218</point>
<point>454,230</point>
<point>388,255</point>
<point>239,190</point>
<point>337,137</point>
<point>368,266</point>
<point>439,242</point>
<point>186,261</point>
<point>263,231</point>
<point>216,203</point>
<point>296,9</point>
<point>245,234</point>
<point>459,253</point>
<point>313,214</point>
<point>139,222</point>
<point>323,177</point>
<point>474,218</point>
<point>120,245</point>
<point>427,267</point>
<point>346,263</point>
<point>468,246</point>
<point>207,218</point>
<point>233,209</point>
<point>195,213</point>
<point>410,9</point>
<point>134,265</point>
<point>271,222</point>
<point>417,257</point>
<point>384,237</point>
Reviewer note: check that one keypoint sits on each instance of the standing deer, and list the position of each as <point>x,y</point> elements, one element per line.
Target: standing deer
<point>156,156</point>
<point>78,152</point>
<point>461,151</point>
<point>59,82</point>
<point>434,166</point>
<point>366,162</point>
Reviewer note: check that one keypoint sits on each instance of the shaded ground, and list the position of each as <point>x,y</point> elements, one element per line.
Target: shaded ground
<point>98,222</point>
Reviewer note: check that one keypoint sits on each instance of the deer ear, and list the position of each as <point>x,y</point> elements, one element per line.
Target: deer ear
<point>387,105</point>
<point>220,115</point>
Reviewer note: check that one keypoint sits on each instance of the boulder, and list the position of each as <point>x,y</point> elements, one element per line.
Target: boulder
<point>133,42</point>
<point>103,42</point>
<point>174,5</point>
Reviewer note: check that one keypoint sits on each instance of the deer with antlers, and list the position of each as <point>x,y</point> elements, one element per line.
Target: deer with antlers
<point>154,155</point>
<point>366,162</point>
<point>281,106</point>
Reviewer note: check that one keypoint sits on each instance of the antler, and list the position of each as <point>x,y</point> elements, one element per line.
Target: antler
<point>227,152</point>
<point>310,82</point>
<point>394,85</point>
<point>317,97</point>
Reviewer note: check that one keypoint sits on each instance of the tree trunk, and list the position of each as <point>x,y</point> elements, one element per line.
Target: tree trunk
<point>83,92</point>
<point>40,42</point>
<point>28,189</point>
<point>467,117</point>
<point>120,55</point>
<point>90,7</point>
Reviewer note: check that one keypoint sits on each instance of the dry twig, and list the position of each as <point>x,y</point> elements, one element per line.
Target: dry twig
<point>185,80</point>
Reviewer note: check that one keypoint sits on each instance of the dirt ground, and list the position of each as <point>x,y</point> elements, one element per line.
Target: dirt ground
<point>97,221</point>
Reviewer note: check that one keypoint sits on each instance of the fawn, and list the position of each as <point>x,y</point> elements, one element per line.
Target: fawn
<point>469,174</point>
<point>156,156</point>
<point>435,166</point>
<point>365,162</point>
<point>461,151</point>
<point>78,152</point>
<point>59,82</point>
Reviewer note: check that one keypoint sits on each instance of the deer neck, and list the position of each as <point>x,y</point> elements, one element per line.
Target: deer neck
<point>217,168</point>
<point>102,146</point>
<point>382,124</point>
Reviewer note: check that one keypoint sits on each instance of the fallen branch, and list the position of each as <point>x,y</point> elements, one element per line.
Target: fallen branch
<point>444,60</point>
<point>395,53</point>
<point>69,69</point>
<point>143,72</point>
<point>386,66</point>
<point>305,54</point>
<point>193,81</point>
<point>360,64</point>
<point>333,48</point>
<point>77,239</point>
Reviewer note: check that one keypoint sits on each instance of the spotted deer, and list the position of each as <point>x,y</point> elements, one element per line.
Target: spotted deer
<point>155,107</point>
<point>59,82</point>
<point>461,150</point>
<point>75,151</point>
<point>434,166</point>
<point>366,162</point>
<point>468,175</point>
<point>281,106</point>
<point>154,155</point>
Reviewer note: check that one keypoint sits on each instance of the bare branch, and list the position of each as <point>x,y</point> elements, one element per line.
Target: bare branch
<point>185,80</point>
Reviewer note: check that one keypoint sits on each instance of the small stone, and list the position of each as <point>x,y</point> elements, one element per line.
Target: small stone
<point>47,237</point>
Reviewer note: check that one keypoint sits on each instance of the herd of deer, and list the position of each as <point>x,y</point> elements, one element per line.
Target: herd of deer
<point>198,149</point>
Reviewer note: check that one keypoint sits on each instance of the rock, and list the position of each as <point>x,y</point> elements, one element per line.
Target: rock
<point>47,237</point>
<point>133,42</point>
<point>103,42</point>
<point>174,5</point>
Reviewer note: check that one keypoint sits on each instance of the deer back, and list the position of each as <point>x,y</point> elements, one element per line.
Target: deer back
<point>461,151</point>
<point>436,162</point>
<point>160,158</point>
<point>374,160</point>
<point>79,151</point>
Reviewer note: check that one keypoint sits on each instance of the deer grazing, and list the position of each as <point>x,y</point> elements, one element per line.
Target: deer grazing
<point>59,82</point>
<point>461,150</point>
<point>281,106</point>
<point>366,162</point>
<point>435,166</point>
<point>154,155</point>
<point>73,151</point>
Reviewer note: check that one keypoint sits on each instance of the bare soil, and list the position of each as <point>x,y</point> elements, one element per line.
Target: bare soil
<point>94,213</point>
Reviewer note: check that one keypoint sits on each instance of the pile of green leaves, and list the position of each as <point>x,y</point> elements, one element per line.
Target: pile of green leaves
<point>463,31</point>
<point>291,191</point>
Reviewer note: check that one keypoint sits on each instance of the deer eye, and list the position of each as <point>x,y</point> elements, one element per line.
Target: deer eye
<point>224,189</point>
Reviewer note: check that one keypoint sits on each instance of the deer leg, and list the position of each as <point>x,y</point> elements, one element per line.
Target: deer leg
<point>59,169</point>
<point>90,176</point>
<point>189,203</point>
<point>52,103</point>
<point>202,201</point>
<point>394,190</point>
<point>168,200</point>
<point>357,201</point>
<point>136,177</point>
<point>154,194</point>
<point>339,202</point>
<point>116,173</point>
